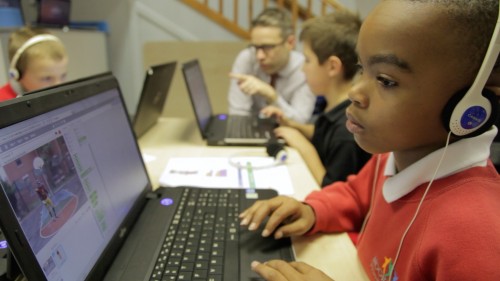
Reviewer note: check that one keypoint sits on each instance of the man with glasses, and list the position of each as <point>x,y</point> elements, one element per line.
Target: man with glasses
<point>268,73</point>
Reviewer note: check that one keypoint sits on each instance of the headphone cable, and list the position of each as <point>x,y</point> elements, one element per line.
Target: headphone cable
<point>418,207</point>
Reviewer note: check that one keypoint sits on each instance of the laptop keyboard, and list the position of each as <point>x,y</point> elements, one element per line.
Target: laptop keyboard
<point>244,127</point>
<point>202,241</point>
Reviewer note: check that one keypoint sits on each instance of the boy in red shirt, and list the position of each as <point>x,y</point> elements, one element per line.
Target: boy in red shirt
<point>427,204</point>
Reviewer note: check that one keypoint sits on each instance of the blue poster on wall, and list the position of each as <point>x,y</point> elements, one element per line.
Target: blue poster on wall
<point>11,15</point>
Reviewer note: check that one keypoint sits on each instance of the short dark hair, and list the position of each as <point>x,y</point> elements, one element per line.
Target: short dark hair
<point>275,17</point>
<point>471,24</point>
<point>335,34</point>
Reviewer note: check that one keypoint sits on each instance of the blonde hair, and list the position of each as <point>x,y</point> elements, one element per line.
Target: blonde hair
<point>52,49</point>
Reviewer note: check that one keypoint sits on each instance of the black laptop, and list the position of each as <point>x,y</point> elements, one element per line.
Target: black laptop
<point>154,92</point>
<point>223,129</point>
<point>76,202</point>
<point>53,13</point>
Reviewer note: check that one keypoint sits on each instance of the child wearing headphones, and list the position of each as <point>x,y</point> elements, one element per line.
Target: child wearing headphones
<point>427,203</point>
<point>37,60</point>
<point>330,67</point>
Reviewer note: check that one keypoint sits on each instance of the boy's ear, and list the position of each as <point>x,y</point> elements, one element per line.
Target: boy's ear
<point>291,41</point>
<point>334,66</point>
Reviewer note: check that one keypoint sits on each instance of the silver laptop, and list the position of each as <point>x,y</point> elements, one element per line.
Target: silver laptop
<point>223,129</point>
<point>76,202</point>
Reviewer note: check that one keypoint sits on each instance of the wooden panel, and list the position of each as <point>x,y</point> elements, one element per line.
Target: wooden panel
<point>216,59</point>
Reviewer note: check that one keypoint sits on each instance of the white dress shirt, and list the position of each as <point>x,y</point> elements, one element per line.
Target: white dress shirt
<point>294,96</point>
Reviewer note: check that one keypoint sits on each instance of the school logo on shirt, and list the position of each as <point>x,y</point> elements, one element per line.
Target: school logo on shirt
<point>383,271</point>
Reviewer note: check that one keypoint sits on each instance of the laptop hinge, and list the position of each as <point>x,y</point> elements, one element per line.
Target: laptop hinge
<point>152,195</point>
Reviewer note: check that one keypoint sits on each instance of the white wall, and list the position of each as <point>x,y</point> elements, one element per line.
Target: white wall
<point>134,22</point>
<point>365,6</point>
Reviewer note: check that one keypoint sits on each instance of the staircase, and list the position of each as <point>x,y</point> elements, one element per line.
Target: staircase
<point>238,17</point>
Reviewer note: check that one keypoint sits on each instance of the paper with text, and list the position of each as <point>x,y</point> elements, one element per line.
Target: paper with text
<point>238,172</point>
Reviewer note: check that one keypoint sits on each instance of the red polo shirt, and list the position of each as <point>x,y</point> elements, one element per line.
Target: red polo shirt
<point>7,93</point>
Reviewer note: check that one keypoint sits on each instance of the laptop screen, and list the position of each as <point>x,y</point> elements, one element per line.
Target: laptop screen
<point>197,90</point>
<point>71,176</point>
<point>54,12</point>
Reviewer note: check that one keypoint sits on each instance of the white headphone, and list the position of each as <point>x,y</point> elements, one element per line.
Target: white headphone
<point>472,111</point>
<point>13,71</point>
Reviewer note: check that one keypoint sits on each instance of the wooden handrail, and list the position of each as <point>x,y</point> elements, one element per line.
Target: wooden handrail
<point>233,24</point>
<point>217,18</point>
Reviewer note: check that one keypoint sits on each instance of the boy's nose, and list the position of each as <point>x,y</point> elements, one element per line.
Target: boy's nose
<point>356,93</point>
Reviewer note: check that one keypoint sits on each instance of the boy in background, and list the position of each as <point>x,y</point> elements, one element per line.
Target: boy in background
<point>327,147</point>
<point>427,203</point>
<point>37,60</point>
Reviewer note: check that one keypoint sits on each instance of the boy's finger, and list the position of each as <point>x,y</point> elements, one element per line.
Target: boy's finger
<point>283,271</point>
<point>267,272</point>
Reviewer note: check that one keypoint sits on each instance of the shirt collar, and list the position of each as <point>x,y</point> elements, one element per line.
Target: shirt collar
<point>460,155</point>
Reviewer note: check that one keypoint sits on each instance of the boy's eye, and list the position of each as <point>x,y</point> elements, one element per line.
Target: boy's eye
<point>386,82</point>
<point>46,79</point>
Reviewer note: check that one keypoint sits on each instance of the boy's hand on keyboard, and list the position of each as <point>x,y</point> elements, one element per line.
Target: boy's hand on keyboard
<point>287,217</point>
<point>278,270</point>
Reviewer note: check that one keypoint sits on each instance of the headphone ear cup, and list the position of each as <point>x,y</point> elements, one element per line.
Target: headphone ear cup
<point>281,156</point>
<point>469,117</point>
<point>277,150</point>
<point>450,106</point>
<point>494,100</point>
<point>14,74</point>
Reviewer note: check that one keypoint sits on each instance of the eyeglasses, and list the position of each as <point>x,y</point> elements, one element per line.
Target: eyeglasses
<point>266,48</point>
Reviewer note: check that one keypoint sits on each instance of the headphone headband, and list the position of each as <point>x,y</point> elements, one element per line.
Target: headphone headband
<point>13,71</point>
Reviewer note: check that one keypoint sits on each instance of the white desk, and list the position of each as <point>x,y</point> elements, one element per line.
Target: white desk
<point>334,254</point>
